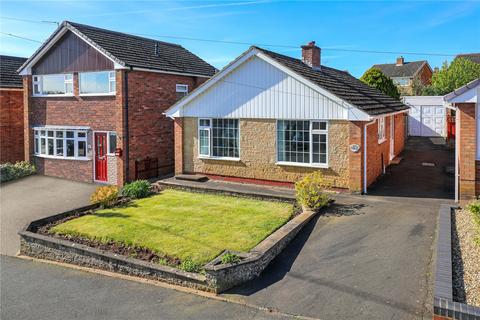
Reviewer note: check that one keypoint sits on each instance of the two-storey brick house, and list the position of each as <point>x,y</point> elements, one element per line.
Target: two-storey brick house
<point>94,102</point>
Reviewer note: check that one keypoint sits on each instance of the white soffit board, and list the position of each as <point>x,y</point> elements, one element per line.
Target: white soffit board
<point>258,89</point>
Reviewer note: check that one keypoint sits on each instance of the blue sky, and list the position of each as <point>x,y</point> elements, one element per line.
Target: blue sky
<point>400,26</point>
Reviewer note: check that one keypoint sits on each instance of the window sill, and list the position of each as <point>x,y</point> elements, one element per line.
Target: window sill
<point>51,95</point>
<point>111,94</point>
<point>382,140</point>
<point>307,165</point>
<point>219,158</point>
<point>63,158</point>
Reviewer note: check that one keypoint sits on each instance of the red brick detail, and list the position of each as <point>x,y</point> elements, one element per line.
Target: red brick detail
<point>400,132</point>
<point>467,153</point>
<point>120,125</point>
<point>178,128</point>
<point>425,75</point>
<point>356,158</point>
<point>311,55</point>
<point>151,133</point>
<point>11,125</point>
<point>437,317</point>
<point>68,169</point>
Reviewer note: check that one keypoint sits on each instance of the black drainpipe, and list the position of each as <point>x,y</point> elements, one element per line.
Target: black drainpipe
<point>126,135</point>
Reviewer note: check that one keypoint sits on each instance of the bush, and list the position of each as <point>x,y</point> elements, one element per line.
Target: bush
<point>190,266</point>
<point>230,258</point>
<point>9,171</point>
<point>136,189</point>
<point>474,209</point>
<point>106,196</point>
<point>310,191</point>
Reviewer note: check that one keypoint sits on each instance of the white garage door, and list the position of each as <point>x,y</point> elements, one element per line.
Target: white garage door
<point>426,121</point>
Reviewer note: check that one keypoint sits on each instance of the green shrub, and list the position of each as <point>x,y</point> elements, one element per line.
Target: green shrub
<point>136,189</point>
<point>230,258</point>
<point>106,196</point>
<point>310,191</point>
<point>190,266</point>
<point>9,171</point>
<point>474,209</point>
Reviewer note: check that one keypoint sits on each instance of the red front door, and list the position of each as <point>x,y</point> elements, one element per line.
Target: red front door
<point>100,156</point>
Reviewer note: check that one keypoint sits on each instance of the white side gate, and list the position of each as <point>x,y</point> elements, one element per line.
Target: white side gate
<point>427,116</point>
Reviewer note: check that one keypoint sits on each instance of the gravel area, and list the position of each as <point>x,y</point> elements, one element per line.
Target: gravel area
<point>466,259</point>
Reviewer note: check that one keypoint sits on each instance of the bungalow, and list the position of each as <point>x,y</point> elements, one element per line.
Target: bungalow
<point>11,109</point>
<point>465,101</point>
<point>94,103</point>
<point>269,118</point>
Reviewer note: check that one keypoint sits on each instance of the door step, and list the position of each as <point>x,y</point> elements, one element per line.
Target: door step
<point>192,177</point>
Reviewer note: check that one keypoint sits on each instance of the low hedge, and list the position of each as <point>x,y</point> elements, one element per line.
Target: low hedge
<point>13,171</point>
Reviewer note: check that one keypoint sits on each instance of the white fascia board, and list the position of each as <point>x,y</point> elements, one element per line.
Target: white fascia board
<point>27,70</point>
<point>177,109</point>
<point>423,100</point>
<point>468,96</point>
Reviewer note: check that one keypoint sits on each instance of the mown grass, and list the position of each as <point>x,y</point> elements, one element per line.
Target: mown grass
<point>184,225</point>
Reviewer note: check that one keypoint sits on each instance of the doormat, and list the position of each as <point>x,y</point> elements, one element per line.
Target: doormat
<point>438,141</point>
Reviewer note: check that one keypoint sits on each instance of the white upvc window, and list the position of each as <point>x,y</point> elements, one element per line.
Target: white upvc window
<point>97,83</point>
<point>60,143</point>
<point>111,142</point>
<point>53,85</point>
<point>219,138</point>
<point>181,90</point>
<point>302,143</point>
<point>381,130</point>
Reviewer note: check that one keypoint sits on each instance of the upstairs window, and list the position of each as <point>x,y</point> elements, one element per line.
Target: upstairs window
<point>53,84</point>
<point>97,83</point>
<point>182,90</point>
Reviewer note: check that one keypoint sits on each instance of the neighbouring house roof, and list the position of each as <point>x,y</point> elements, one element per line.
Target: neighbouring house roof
<point>9,78</point>
<point>408,69</point>
<point>339,85</point>
<point>466,93</point>
<point>132,51</point>
<point>343,85</point>
<point>474,57</point>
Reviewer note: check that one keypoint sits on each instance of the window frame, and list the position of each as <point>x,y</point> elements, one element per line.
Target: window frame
<point>37,80</point>
<point>38,136</point>
<point>381,130</point>
<point>181,88</point>
<point>310,145</point>
<point>209,128</point>
<point>108,143</point>
<point>111,79</point>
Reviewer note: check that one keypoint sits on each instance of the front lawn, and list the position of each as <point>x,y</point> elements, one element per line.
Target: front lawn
<point>184,225</point>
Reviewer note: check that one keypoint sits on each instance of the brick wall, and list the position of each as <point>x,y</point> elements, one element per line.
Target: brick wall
<point>425,75</point>
<point>400,132</point>
<point>11,125</point>
<point>150,131</point>
<point>467,153</point>
<point>98,113</point>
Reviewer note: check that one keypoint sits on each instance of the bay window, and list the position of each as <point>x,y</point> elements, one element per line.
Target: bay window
<point>53,84</point>
<point>218,138</point>
<point>97,83</point>
<point>302,142</point>
<point>60,143</point>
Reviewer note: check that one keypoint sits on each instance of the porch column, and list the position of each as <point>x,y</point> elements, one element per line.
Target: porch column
<point>178,138</point>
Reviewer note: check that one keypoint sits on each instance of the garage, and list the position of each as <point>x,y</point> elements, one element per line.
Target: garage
<point>427,116</point>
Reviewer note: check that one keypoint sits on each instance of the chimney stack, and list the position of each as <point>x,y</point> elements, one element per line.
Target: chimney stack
<point>311,55</point>
<point>400,61</point>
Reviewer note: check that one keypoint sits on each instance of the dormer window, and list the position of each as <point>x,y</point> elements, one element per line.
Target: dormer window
<point>53,85</point>
<point>97,83</point>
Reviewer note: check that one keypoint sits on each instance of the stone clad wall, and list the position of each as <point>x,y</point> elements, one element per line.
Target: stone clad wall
<point>258,154</point>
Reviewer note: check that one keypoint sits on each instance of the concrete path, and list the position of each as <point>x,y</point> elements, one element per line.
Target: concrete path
<point>33,291</point>
<point>32,198</point>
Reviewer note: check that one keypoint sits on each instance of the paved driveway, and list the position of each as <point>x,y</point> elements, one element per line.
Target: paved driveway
<point>32,198</point>
<point>371,256</point>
